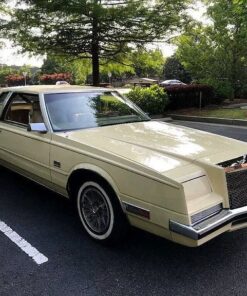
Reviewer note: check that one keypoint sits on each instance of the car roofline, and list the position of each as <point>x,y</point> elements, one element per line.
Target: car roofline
<point>46,89</point>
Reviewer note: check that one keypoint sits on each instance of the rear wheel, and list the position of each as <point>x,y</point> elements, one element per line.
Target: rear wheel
<point>100,212</point>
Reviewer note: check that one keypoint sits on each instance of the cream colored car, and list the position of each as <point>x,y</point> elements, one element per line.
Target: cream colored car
<point>119,168</point>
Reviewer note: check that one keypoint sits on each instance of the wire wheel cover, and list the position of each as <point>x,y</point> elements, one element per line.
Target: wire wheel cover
<point>95,210</point>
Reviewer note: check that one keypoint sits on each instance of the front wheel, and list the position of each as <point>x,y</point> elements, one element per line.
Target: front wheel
<point>100,212</point>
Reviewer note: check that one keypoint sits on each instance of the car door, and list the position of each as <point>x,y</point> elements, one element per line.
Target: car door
<point>26,152</point>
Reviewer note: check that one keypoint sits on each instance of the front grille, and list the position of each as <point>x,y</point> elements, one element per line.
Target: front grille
<point>237,188</point>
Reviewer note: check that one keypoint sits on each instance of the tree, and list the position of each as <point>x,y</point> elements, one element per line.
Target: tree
<point>13,75</point>
<point>51,66</point>
<point>4,72</point>
<point>2,19</point>
<point>119,70</point>
<point>173,69</point>
<point>79,69</point>
<point>92,29</point>
<point>147,63</point>
<point>216,53</point>
<point>140,62</point>
<point>230,33</point>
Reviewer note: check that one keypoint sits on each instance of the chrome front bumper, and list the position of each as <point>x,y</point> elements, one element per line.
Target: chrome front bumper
<point>210,225</point>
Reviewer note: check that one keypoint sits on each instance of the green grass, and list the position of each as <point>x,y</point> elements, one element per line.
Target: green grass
<point>219,113</point>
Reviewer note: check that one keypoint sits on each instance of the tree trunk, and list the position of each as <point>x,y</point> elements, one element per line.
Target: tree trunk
<point>95,46</point>
<point>95,64</point>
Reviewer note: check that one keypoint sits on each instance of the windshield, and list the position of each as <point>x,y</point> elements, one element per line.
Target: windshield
<point>72,111</point>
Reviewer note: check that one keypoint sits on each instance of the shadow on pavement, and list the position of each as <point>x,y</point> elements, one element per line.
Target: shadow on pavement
<point>142,265</point>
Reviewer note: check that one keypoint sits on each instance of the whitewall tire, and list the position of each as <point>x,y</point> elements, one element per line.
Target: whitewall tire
<point>100,212</point>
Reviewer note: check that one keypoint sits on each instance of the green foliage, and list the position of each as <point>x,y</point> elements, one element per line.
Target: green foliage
<point>152,100</point>
<point>4,72</point>
<point>139,62</point>
<point>216,112</point>
<point>147,63</point>
<point>7,71</point>
<point>120,68</point>
<point>3,13</point>
<point>173,69</point>
<point>79,69</point>
<point>216,53</point>
<point>223,89</point>
<point>91,29</point>
<point>117,106</point>
<point>51,66</point>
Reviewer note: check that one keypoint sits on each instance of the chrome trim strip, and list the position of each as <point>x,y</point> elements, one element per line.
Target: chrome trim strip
<point>44,112</point>
<point>5,101</point>
<point>209,225</point>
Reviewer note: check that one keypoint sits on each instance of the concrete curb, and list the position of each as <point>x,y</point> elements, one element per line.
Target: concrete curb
<point>238,122</point>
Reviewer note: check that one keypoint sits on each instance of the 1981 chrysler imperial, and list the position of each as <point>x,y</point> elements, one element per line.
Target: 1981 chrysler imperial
<point>120,168</point>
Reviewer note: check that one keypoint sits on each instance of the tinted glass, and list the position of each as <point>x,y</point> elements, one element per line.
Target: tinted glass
<point>71,111</point>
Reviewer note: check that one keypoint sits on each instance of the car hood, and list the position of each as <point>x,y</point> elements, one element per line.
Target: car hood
<point>158,145</point>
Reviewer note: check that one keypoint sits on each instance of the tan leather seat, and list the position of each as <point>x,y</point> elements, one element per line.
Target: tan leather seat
<point>36,115</point>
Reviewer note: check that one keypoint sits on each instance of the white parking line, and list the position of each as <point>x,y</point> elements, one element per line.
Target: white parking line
<point>23,244</point>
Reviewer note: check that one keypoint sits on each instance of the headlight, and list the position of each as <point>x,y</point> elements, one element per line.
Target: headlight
<point>202,202</point>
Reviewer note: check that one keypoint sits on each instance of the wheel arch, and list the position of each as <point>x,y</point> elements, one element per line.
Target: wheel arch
<point>83,171</point>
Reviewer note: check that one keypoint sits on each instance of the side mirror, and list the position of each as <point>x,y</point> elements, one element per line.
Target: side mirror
<point>37,127</point>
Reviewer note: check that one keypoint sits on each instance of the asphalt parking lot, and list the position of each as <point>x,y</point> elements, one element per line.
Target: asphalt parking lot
<point>143,265</point>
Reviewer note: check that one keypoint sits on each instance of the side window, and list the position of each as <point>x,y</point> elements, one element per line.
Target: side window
<point>3,96</point>
<point>24,109</point>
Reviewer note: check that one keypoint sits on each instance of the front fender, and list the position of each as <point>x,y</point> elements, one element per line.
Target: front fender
<point>98,170</point>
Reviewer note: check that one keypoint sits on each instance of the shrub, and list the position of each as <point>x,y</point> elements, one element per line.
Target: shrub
<point>222,88</point>
<point>186,96</point>
<point>243,93</point>
<point>16,80</point>
<point>152,100</point>
<point>53,78</point>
